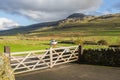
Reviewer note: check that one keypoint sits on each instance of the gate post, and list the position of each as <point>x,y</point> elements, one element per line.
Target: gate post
<point>51,58</point>
<point>80,53</point>
<point>7,51</point>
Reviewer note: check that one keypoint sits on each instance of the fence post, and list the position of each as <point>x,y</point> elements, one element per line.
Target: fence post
<point>51,58</point>
<point>7,51</point>
<point>80,53</point>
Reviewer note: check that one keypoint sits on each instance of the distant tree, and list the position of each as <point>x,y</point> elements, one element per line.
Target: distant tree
<point>78,41</point>
<point>102,42</point>
<point>21,36</point>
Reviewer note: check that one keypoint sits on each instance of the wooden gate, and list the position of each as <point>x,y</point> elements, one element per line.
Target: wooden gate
<point>34,60</point>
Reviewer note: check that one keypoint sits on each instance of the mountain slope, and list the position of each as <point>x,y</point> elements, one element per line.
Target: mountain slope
<point>74,25</point>
<point>27,29</point>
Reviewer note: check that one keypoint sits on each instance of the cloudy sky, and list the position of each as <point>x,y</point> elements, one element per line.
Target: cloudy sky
<point>26,12</point>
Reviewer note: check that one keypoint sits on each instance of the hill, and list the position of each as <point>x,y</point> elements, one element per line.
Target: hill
<point>74,25</point>
<point>77,15</point>
<point>27,29</point>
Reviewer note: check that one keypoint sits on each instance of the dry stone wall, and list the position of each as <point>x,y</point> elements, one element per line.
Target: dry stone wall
<point>6,73</point>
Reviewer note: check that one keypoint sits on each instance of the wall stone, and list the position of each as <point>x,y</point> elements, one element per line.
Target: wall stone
<point>6,73</point>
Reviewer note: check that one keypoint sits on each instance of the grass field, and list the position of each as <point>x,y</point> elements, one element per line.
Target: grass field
<point>27,45</point>
<point>18,45</point>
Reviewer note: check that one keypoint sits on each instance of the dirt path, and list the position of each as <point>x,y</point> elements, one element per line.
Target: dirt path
<point>74,71</point>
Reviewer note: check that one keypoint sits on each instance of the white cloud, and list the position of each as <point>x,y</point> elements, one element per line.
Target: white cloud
<point>47,10</point>
<point>6,24</point>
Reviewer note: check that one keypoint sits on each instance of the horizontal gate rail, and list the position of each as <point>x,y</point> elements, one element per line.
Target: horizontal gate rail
<point>22,62</point>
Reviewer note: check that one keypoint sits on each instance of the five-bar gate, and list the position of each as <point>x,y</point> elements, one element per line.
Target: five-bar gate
<point>34,60</point>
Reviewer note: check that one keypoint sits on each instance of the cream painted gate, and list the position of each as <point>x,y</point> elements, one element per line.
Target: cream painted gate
<point>34,60</point>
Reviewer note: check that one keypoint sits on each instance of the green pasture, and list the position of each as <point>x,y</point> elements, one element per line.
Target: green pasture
<point>27,45</point>
<point>18,45</point>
